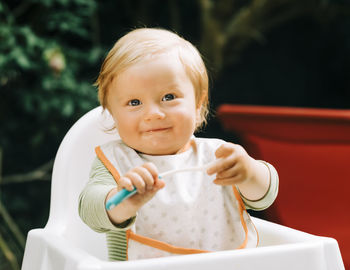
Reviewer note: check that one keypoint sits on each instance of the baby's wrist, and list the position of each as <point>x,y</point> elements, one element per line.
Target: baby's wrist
<point>257,182</point>
<point>125,224</point>
<point>254,169</point>
<point>122,212</point>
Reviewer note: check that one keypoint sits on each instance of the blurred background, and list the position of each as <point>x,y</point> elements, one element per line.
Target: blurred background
<point>265,52</point>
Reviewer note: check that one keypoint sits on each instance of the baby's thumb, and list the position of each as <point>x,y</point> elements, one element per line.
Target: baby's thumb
<point>223,151</point>
<point>159,184</point>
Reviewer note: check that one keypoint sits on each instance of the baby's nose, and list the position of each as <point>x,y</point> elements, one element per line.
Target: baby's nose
<point>154,112</point>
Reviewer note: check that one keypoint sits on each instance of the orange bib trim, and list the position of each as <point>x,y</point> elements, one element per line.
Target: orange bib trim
<point>107,163</point>
<point>161,245</point>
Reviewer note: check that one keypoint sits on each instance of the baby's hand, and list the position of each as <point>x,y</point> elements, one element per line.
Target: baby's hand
<point>235,165</point>
<point>145,179</point>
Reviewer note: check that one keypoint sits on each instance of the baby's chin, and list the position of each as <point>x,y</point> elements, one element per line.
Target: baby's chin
<point>158,150</point>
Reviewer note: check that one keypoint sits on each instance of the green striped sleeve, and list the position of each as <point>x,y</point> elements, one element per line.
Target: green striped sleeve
<point>117,245</point>
<point>270,195</point>
<point>93,212</point>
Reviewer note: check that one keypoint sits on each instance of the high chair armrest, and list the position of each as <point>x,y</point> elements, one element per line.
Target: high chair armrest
<point>46,250</point>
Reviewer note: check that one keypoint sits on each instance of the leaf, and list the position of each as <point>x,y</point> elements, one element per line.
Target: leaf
<point>67,109</point>
<point>20,57</point>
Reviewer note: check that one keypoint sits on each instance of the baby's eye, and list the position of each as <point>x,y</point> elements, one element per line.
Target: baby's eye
<point>134,102</point>
<point>168,97</point>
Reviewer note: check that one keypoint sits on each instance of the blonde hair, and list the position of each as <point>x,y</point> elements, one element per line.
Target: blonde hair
<point>141,43</point>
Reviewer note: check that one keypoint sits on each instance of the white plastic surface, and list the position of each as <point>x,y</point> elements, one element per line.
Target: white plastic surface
<point>67,243</point>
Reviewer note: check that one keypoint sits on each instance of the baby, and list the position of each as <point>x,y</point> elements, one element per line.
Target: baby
<point>155,85</point>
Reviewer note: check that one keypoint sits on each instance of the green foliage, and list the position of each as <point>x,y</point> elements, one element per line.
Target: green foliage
<point>48,64</point>
<point>49,59</point>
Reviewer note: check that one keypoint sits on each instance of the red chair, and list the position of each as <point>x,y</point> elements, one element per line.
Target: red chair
<point>310,149</point>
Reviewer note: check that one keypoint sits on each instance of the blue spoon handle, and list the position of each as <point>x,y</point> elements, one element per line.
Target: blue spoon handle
<point>119,197</point>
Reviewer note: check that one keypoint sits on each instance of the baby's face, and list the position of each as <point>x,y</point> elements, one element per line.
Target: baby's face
<point>153,105</point>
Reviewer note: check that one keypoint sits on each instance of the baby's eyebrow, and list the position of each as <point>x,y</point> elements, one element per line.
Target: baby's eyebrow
<point>128,97</point>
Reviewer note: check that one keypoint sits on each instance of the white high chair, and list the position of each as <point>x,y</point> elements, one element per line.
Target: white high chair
<point>67,243</point>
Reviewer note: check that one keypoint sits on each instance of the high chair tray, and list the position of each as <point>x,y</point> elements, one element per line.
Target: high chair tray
<point>279,248</point>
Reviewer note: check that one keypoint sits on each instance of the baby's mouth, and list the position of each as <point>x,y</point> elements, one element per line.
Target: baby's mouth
<point>155,130</point>
<point>158,129</point>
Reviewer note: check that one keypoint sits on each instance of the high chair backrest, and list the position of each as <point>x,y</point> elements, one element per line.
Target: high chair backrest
<point>310,149</point>
<point>71,173</point>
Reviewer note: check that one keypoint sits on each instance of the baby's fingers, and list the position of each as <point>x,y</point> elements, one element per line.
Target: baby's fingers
<point>125,182</point>
<point>222,164</point>
<point>146,176</point>
<point>228,173</point>
<point>225,150</point>
<point>137,181</point>
<point>158,183</point>
<point>152,169</point>
<point>228,181</point>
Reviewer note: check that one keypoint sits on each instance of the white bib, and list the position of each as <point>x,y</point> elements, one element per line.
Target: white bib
<point>190,211</point>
